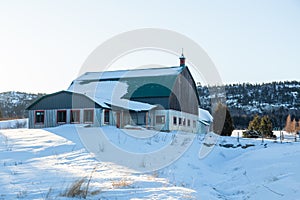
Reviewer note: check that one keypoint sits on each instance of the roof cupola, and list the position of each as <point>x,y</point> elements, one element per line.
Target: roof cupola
<point>182,60</point>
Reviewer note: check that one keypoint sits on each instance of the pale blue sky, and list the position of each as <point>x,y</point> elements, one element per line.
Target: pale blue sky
<point>44,43</point>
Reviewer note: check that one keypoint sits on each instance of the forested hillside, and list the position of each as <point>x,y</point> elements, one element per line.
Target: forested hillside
<point>276,99</point>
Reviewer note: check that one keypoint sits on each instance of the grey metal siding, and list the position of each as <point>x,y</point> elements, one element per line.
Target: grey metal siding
<point>98,117</point>
<point>31,119</point>
<point>50,118</point>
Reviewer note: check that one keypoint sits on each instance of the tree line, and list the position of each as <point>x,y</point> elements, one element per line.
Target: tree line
<point>276,100</point>
<point>259,126</point>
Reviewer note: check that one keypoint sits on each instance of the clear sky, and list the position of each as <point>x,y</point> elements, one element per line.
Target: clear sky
<point>44,43</point>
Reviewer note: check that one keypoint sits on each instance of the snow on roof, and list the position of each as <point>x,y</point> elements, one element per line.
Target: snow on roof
<point>109,93</point>
<point>205,117</point>
<point>130,73</point>
<point>105,88</point>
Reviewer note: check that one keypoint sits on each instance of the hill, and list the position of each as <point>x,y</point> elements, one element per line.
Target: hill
<point>276,99</point>
<point>13,104</point>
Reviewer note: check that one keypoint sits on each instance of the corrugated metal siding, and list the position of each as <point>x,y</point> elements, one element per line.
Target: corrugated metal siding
<point>31,119</point>
<point>50,119</point>
<point>98,117</point>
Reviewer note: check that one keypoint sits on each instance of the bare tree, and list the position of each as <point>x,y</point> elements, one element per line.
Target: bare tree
<point>293,128</point>
<point>288,124</point>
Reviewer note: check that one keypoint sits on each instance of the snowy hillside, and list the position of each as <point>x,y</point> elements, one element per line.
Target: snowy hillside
<point>13,104</point>
<point>42,164</point>
<point>276,99</point>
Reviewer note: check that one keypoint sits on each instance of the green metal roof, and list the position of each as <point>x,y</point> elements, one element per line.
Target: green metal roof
<point>155,86</point>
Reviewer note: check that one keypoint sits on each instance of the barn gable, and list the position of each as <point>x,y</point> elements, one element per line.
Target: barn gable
<point>184,96</point>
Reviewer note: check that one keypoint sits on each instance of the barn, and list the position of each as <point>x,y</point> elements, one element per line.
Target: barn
<point>156,98</point>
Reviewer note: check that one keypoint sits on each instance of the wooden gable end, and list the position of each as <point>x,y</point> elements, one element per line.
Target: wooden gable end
<point>184,95</point>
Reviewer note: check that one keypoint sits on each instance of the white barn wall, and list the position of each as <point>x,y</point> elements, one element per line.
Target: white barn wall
<point>169,114</point>
<point>165,126</point>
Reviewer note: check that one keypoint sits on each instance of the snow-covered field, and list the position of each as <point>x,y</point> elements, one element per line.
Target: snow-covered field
<point>43,164</point>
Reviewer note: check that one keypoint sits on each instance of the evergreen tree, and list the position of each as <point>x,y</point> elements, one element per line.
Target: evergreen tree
<point>0,114</point>
<point>254,125</point>
<point>266,128</point>
<point>222,124</point>
<point>263,126</point>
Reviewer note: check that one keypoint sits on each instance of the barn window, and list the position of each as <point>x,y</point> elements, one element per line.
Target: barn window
<point>39,116</point>
<point>75,116</point>
<point>61,116</point>
<point>180,121</point>
<point>183,121</point>
<point>106,116</point>
<point>194,123</point>
<point>189,122</point>
<point>88,116</point>
<point>175,120</point>
<point>160,119</point>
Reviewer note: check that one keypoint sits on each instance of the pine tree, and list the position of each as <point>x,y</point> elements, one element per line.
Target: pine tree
<point>222,124</point>
<point>263,126</point>
<point>254,124</point>
<point>266,128</point>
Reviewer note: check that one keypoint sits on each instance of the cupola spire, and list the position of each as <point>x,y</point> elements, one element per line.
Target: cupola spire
<point>182,59</point>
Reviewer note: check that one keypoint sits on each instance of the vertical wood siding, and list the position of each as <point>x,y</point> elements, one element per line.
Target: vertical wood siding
<point>184,95</point>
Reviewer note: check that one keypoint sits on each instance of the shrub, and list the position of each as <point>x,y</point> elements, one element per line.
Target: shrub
<point>79,189</point>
